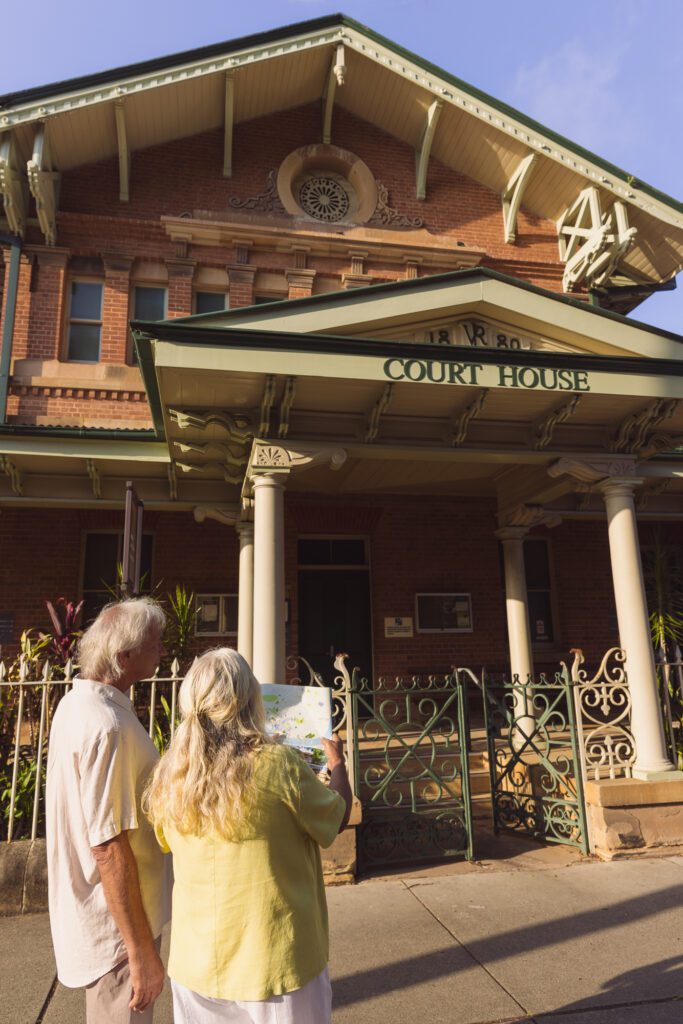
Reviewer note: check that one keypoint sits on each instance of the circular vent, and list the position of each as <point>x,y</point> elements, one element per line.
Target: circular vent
<point>324,199</point>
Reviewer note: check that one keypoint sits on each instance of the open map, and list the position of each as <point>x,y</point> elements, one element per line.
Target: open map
<point>301,715</point>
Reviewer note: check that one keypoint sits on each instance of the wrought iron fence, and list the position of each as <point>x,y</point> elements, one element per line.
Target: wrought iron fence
<point>669,664</point>
<point>29,696</point>
<point>602,704</point>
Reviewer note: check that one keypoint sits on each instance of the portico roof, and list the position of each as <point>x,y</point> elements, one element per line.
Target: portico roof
<point>410,416</point>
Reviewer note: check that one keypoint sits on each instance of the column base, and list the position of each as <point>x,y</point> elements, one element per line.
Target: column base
<point>634,817</point>
<point>662,775</point>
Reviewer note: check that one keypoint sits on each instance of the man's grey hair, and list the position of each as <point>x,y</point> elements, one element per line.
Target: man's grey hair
<point>119,627</point>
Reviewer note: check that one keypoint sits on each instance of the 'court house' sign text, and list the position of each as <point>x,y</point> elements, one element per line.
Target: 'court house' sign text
<point>435,371</point>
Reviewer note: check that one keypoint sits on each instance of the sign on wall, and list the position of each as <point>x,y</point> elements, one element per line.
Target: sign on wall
<point>397,625</point>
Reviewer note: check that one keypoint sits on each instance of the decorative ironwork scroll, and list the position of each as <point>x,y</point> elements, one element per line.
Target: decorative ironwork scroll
<point>410,769</point>
<point>536,780</point>
<point>603,717</point>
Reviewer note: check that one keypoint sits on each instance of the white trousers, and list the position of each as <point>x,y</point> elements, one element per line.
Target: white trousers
<point>311,1004</point>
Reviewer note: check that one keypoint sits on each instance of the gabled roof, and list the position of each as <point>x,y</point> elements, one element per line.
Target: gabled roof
<point>185,93</point>
<point>384,310</point>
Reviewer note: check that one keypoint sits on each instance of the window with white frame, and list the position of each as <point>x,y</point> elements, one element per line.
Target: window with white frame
<point>217,615</point>
<point>84,330</point>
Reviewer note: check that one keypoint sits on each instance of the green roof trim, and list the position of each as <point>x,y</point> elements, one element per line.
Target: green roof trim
<point>93,433</point>
<point>352,295</point>
<point>321,24</point>
<point>149,379</point>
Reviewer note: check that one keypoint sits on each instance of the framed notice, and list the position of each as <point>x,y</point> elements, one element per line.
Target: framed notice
<point>397,625</point>
<point>217,615</point>
<point>443,613</point>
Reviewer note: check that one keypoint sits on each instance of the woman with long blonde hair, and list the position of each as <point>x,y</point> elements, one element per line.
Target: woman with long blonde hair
<point>244,817</point>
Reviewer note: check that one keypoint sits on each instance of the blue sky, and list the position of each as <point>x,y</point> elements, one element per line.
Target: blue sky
<point>607,75</point>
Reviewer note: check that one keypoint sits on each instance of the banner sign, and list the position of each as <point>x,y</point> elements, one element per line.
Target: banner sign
<point>132,542</point>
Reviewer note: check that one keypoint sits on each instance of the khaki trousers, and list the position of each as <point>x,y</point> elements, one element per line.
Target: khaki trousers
<point>107,999</point>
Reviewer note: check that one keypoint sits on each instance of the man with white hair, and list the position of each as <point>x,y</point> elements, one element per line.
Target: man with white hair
<point>108,881</point>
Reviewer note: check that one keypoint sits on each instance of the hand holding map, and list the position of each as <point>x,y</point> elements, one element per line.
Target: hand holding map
<point>301,715</point>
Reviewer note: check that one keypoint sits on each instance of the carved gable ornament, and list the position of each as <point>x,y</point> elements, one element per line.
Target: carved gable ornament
<point>476,332</point>
<point>592,243</point>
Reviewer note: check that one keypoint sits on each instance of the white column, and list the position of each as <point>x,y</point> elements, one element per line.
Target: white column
<point>634,629</point>
<point>245,600</point>
<point>269,578</point>
<point>517,610</point>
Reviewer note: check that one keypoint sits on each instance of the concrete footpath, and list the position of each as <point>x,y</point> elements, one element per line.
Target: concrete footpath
<point>542,936</point>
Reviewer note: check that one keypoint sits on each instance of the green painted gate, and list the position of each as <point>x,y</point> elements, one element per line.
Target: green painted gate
<point>410,769</point>
<point>533,755</point>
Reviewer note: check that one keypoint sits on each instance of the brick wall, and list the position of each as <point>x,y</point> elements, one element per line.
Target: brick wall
<point>186,176</point>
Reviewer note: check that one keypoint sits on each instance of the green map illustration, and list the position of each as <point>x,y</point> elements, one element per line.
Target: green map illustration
<point>300,715</point>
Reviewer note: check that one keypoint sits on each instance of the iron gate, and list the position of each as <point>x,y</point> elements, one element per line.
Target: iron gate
<point>536,781</point>
<point>410,769</point>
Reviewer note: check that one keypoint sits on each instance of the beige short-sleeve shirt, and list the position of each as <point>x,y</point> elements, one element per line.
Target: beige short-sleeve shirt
<point>100,759</point>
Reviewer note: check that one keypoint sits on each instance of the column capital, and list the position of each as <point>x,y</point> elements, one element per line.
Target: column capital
<point>528,515</point>
<point>511,533</point>
<point>245,528</point>
<point>619,487</point>
<point>272,458</point>
<point>591,471</point>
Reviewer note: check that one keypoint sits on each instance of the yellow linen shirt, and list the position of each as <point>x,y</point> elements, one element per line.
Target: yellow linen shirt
<point>250,916</point>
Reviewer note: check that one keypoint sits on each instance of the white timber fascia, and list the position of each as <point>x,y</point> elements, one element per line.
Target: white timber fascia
<point>229,123</point>
<point>513,194</point>
<point>13,185</point>
<point>44,184</point>
<point>124,151</point>
<point>116,89</point>
<point>424,149</point>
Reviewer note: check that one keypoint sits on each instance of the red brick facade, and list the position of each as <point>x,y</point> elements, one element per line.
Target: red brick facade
<point>101,238</point>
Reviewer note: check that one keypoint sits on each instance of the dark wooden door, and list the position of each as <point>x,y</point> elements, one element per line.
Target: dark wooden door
<point>334,617</point>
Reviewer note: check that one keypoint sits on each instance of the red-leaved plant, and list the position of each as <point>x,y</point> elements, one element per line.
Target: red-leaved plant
<point>64,615</point>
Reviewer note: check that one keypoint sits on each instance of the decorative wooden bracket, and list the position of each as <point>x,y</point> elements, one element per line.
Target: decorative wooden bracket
<point>229,123</point>
<point>124,152</point>
<point>172,482</point>
<point>632,433</point>
<point>592,243</point>
<point>545,428</point>
<point>13,185</point>
<point>238,426</point>
<point>512,196</point>
<point>380,406</point>
<point>335,76</point>
<point>423,150</point>
<point>463,420</point>
<point>286,406</point>
<point>44,184</point>
<point>94,475</point>
<point>228,515</point>
<point>9,469</point>
<point>266,405</point>
<point>224,451</point>
<point>230,478</point>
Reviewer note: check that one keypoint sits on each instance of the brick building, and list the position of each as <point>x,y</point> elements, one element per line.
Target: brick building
<point>381,321</point>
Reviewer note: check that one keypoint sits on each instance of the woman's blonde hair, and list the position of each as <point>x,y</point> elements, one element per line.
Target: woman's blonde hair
<point>202,782</point>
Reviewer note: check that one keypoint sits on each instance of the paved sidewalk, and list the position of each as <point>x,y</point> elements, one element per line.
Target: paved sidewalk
<point>540,937</point>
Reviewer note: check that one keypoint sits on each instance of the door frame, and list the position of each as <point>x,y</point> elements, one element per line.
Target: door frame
<point>367,568</point>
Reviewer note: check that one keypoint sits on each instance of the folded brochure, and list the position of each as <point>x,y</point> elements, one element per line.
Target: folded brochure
<point>300,716</point>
